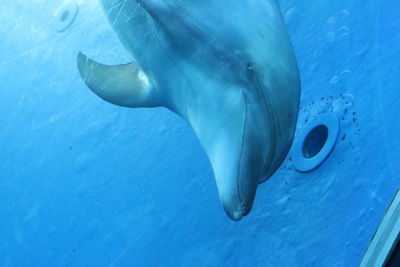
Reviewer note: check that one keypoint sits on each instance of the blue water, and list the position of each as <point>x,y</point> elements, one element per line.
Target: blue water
<point>86,183</point>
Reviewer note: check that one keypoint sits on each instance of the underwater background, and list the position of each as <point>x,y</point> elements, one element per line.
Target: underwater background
<point>86,183</point>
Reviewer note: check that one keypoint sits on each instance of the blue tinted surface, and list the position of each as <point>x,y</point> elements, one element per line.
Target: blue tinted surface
<point>85,183</point>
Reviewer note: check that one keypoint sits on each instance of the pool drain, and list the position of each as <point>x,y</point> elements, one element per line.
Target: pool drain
<point>315,142</point>
<point>66,16</point>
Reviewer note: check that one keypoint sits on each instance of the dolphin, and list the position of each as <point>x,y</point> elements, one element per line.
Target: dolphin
<point>226,67</point>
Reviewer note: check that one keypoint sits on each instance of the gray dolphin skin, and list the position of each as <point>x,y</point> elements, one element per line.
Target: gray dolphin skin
<point>226,67</point>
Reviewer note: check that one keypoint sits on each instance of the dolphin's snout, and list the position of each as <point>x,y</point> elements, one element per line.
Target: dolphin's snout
<point>239,213</point>
<point>236,209</point>
<point>235,213</point>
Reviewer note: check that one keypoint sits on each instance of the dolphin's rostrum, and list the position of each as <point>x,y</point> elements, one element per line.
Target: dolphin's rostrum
<point>227,67</point>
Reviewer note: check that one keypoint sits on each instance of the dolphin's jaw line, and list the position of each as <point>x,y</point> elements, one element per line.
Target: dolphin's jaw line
<point>242,205</point>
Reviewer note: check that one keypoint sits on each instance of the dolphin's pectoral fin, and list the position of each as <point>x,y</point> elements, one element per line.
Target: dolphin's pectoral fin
<point>124,85</point>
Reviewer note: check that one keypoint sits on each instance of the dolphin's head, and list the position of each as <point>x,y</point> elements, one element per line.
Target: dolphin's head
<point>257,131</point>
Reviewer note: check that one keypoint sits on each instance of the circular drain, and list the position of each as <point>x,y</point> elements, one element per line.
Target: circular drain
<point>66,16</point>
<point>315,142</point>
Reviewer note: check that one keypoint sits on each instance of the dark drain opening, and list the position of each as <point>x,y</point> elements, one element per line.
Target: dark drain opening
<point>315,141</point>
<point>64,16</point>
